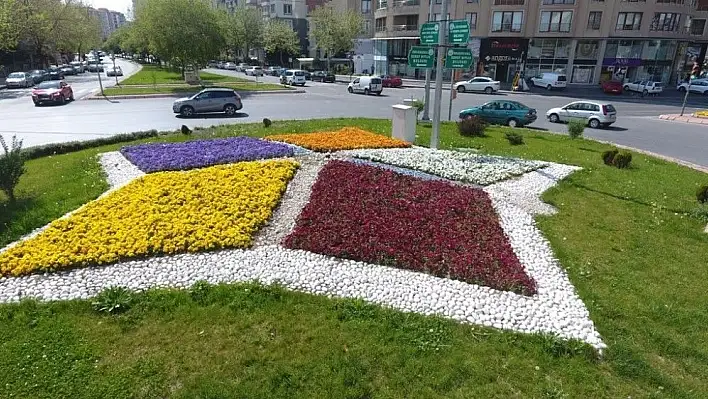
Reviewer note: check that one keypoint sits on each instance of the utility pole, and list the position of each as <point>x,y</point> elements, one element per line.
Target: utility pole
<point>426,104</point>
<point>685,97</point>
<point>98,70</point>
<point>434,137</point>
<point>114,68</point>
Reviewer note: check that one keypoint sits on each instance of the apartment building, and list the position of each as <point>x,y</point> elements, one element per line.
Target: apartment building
<point>589,40</point>
<point>109,20</point>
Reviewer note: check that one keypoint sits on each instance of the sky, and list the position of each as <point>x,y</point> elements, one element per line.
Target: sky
<point>114,5</point>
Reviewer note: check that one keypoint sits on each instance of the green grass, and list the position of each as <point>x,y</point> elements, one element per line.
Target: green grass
<point>244,86</point>
<point>151,75</point>
<point>624,236</point>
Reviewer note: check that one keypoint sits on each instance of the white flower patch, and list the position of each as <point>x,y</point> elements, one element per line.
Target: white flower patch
<point>454,165</point>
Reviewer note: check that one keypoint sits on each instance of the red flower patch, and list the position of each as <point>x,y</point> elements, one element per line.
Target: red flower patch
<point>370,214</point>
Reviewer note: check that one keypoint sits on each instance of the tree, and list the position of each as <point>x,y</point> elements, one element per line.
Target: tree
<point>333,31</point>
<point>9,31</point>
<point>181,31</point>
<point>12,166</point>
<point>83,33</point>
<point>280,37</point>
<point>243,29</point>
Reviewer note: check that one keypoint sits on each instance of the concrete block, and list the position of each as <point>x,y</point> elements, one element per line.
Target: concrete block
<point>404,121</point>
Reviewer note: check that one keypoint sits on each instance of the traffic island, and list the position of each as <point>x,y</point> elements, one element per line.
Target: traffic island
<point>693,118</point>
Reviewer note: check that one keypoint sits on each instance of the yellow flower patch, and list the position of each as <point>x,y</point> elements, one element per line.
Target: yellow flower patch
<point>348,138</point>
<point>162,213</point>
<point>701,114</point>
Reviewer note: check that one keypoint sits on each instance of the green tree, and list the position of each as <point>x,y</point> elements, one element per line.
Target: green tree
<point>12,166</point>
<point>9,31</point>
<point>333,31</point>
<point>280,37</point>
<point>83,33</point>
<point>243,28</point>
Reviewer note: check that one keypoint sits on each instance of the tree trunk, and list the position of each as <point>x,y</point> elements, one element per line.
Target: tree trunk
<point>11,196</point>
<point>281,57</point>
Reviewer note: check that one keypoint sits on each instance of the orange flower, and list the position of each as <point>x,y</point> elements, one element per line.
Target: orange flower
<point>348,138</point>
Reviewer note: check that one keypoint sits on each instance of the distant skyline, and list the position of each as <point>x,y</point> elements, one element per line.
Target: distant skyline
<point>113,5</point>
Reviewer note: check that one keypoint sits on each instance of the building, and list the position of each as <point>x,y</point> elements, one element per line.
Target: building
<point>109,20</point>
<point>589,40</point>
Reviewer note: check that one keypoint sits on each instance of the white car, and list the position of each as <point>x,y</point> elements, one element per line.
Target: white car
<point>643,86</point>
<point>294,77</point>
<point>367,85</point>
<point>480,83</point>
<point>19,79</point>
<point>230,66</point>
<point>597,114</point>
<point>550,80</point>
<point>699,86</point>
<point>254,71</point>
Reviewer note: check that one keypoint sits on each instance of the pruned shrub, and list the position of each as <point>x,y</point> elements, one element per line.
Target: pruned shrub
<point>514,138</point>
<point>472,126</point>
<point>576,129</point>
<point>702,194</point>
<point>419,106</point>
<point>113,300</point>
<point>608,157</point>
<point>12,166</point>
<point>622,160</point>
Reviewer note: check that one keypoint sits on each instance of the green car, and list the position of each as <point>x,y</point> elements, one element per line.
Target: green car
<point>502,112</point>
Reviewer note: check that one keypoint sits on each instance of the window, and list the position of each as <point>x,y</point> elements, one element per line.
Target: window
<point>365,6</point>
<point>473,1</point>
<point>508,2</point>
<point>287,9</point>
<point>380,24</point>
<point>382,4</point>
<point>507,21</point>
<point>670,1</point>
<point>697,26</point>
<point>555,21</point>
<point>582,74</point>
<point>665,21</point>
<point>289,23</point>
<point>366,25</point>
<point>438,16</point>
<point>629,21</point>
<point>472,18</point>
<point>550,2</point>
<point>594,20</point>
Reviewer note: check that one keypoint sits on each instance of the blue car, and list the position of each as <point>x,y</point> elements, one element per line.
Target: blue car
<point>502,112</point>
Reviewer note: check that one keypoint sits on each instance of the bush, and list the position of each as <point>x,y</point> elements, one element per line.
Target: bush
<point>473,126</point>
<point>419,106</point>
<point>622,160</point>
<point>12,166</point>
<point>702,194</point>
<point>113,300</point>
<point>576,129</point>
<point>64,148</point>
<point>514,138</point>
<point>608,156</point>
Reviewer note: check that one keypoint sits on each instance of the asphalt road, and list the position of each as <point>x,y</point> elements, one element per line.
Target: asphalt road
<point>637,124</point>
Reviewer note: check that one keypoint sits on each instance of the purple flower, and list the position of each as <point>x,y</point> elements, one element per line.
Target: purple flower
<point>156,157</point>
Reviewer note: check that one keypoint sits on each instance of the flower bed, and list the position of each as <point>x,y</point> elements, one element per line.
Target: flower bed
<point>155,157</point>
<point>374,215</point>
<point>348,138</point>
<point>453,165</point>
<point>162,213</point>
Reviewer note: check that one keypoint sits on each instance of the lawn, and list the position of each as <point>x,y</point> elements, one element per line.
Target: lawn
<point>154,75</point>
<point>626,238</point>
<point>240,86</point>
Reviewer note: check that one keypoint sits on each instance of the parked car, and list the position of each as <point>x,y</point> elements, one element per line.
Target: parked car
<point>643,86</point>
<point>612,87</point>
<point>503,112</point>
<point>366,84</point>
<point>78,67</point>
<point>241,67</point>
<point>19,79</point>
<point>308,75</point>
<point>39,75</point>
<point>322,76</point>
<point>254,71</point>
<point>391,81</point>
<point>95,66</point>
<point>54,73</point>
<point>697,86</point>
<point>57,92</point>
<point>213,64</point>
<point>595,114</point>
<point>207,101</point>
<point>230,66</point>
<point>294,77</point>
<point>479,83</point>
<point>275,71</point>
<point>550,80</point>
<point>114,71</point>
<point>68,70</point>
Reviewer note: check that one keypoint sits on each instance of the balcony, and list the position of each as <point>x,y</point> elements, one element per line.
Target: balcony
<point>406,3</point>
<point>496,28</point>
<point>509,2</point>
<point>400,28</point>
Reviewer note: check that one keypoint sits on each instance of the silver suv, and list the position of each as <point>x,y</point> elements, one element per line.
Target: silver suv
<point>209,100</point>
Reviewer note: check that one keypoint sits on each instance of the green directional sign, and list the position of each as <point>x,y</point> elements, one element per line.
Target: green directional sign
<point>430,33</point>
<point>421,57</point>
<point>458,58</point>
<point>459,32</point>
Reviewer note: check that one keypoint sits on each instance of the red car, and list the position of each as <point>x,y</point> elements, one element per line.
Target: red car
<point>391,81</point>
<point>53,91</point>
<point>612,87</point>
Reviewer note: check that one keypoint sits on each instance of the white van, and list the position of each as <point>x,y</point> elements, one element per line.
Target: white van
<point>550,80</point>
<point>367,85</point>
<point>295,77</point>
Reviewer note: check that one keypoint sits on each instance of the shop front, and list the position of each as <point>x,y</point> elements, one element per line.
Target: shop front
<point>547,55</point>
<point>687,54</point>
<point>630,60</point>
<point>501,57</point>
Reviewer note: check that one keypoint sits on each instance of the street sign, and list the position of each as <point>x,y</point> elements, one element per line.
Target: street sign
<point>458,58</point>
<point>430,33</point>
<point>459,32</point>
<point>421,57</point>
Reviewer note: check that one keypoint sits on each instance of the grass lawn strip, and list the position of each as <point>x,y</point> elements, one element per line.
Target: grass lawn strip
<point>154,75</point>
<point>186,89</point>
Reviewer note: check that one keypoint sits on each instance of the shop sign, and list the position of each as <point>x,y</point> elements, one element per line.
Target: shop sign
<point>625,62</point>
<point>503,49</point>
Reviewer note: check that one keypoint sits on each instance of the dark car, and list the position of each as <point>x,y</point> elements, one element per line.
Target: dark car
<point>52,92</point>
<point>67,70</point>
<point>308,75</point>
<point>612,87</point>
<point>275,71</point>
<point>54,73</point>
<point>322,76</point>
<point>391,81</point>
<point>39,75</point>
<point>502,112</point>
<point>207,101</point>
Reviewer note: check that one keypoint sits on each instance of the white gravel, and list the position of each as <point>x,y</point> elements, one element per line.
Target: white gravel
<point>119,171</point>
<point>556,308</point>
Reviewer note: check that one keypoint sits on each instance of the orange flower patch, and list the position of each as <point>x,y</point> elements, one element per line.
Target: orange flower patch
<point>348,138</point>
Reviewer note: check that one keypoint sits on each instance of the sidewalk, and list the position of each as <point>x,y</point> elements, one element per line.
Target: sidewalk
<point>687,118</point>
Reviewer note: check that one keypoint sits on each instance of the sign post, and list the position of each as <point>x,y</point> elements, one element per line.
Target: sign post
<point>421,57</point>
<point>435,134</point>
<point>459,32</point>
<point>428,72</point>
<point>430,34</point>
<point>456,58</point>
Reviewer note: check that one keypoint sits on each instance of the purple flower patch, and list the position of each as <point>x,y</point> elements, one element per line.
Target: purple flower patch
<point>157,157</point>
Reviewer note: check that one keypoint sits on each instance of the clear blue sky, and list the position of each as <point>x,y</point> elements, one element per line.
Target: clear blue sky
<point>114,5</point>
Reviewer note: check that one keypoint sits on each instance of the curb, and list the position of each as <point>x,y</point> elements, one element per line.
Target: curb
<point>179,95</point>
<point>686,119</point>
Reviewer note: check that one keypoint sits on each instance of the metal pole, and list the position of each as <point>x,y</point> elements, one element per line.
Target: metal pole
<point>426,105</point>
<point>452,83</point>
<point>98,72</point>
<point>434,137</point>
<point>114,68</point>
<point>685,97</point>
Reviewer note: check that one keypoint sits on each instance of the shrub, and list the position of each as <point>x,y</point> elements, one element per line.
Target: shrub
<point>702,194</point>
<point>419,106</point>
<point>64,148</point>
<point>514,138</point>
<point>113,300</point>
<point>472,127</point>
<point>12,166</point>
<point>576,129</point>
<point>200,291</point>
<point>622,160</point>
<point>608,156</point>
